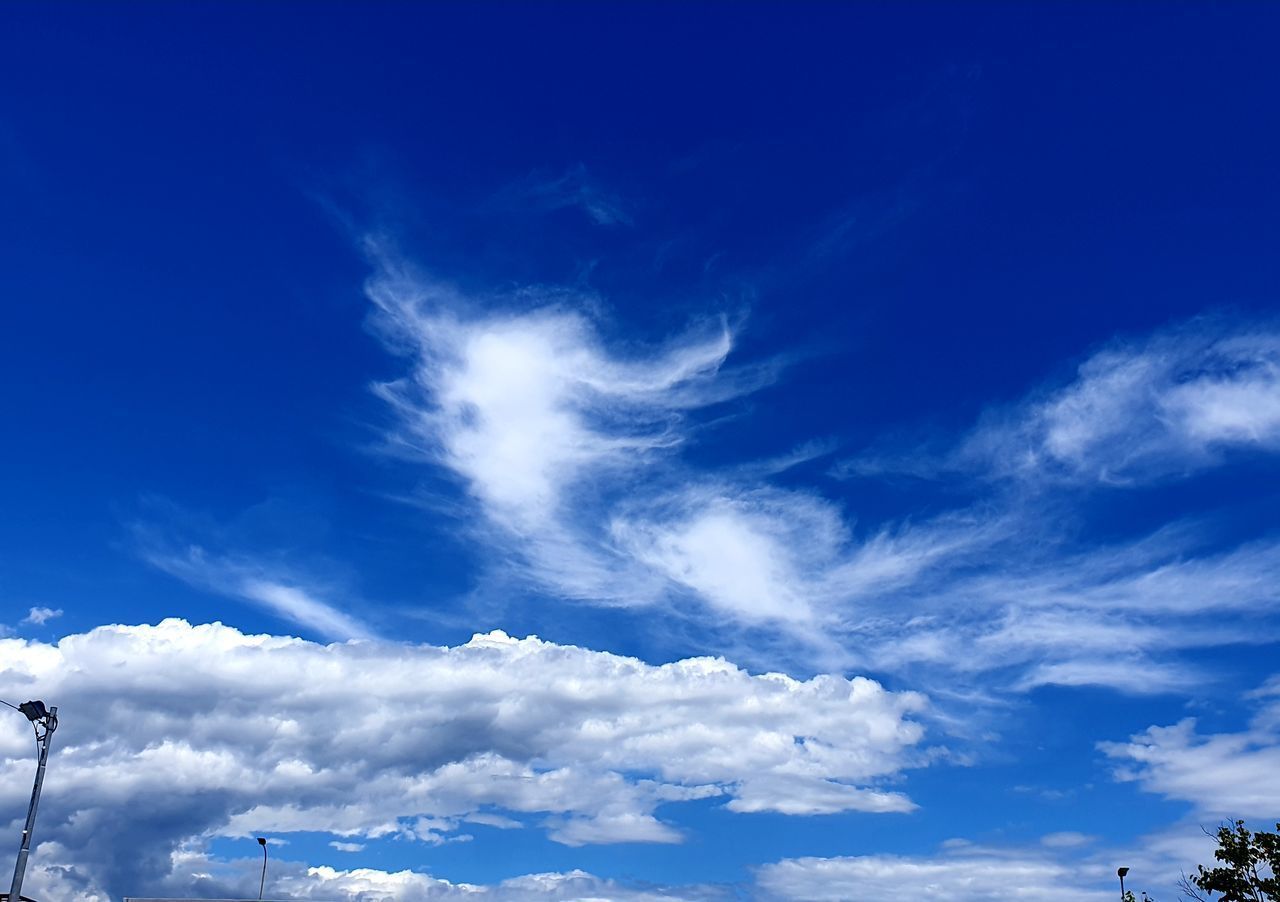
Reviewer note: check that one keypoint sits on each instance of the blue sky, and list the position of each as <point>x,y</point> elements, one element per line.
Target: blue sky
<point>872,409</point>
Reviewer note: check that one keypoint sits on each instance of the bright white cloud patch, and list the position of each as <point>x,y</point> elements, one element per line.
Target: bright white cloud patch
<point>1174,403</point>
<point>568,447</point>
<point>327,883</point>
<point>175,732</point>
<point>1137,411</point>
<point>1224,775</point>
<point>969,874</point>
<point>196,875</point>
<point>541,422</point>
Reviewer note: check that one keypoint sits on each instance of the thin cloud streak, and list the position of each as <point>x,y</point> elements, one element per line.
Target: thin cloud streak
<point>260,584</point>
<point>575,189</point>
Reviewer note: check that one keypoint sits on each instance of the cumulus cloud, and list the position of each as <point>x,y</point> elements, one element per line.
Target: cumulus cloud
<point>41,615</point>
<point>176,733</point>
<point>194,874</point>
<point>1223,775</point>
<point>327,883</point>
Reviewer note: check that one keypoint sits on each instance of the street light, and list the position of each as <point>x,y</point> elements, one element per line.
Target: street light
<point>1120,872</point>
<point>46,718</point>
<point>262,841</point>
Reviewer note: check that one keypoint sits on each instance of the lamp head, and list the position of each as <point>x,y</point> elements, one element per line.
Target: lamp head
<point>262,841</point>
<point>1120,872</point>
<point>34,710</point>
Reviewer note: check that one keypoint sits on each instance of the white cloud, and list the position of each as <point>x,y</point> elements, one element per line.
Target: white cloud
<point>191,873</point>
<point>962,874</point>
<point>1109,616</point>
<point>541,422</point>
<point>1138,411</point>
<point>741,554</point>
<point>173,733</point>
<point>347,846</point>
<point>1066,839</point>
<point>569,448</point>
<point>1064,865</point>
<point>1223,775</point>
<point>326,883</point>
<point>41,615</point>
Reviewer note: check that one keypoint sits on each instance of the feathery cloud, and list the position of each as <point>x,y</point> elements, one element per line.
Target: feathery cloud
<point>1137,411</point>
<point>270,587</point>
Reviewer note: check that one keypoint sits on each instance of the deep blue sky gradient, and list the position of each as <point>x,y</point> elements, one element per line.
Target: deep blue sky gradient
<point>927,209</point>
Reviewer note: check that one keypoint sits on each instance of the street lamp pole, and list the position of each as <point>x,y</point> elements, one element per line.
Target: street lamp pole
<point>40,716</point>
<point>1120,872</point>
<point>262,841</point>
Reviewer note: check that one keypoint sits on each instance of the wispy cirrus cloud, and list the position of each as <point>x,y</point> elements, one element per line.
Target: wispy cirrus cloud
<point>571,448</point>
<point>1154,408</point>
<point>269,586</point>
<point>760,553</point>
<point>1122,616</point>
<point>573,189</point>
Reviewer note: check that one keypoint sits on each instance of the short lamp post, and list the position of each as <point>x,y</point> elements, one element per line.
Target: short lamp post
<point>44,721</point>
<point>1120,872</point>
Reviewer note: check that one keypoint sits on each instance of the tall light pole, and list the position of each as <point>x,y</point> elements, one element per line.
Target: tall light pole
<point>1120,872</point>
<point>44,721</point>
<point>262,841</point>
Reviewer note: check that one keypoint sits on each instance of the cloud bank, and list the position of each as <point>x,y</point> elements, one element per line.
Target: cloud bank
<point>175,733</point>
<point>968,874</point>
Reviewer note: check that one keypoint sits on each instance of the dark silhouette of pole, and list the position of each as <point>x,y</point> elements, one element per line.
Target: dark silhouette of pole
<point>262,841</point>
<point>1120,872</point>
<point>40,716</point>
